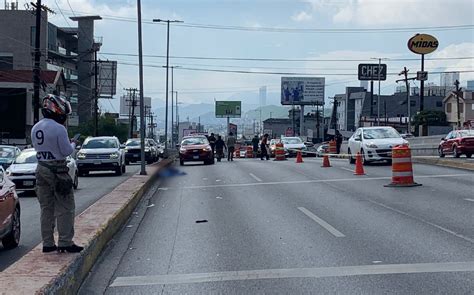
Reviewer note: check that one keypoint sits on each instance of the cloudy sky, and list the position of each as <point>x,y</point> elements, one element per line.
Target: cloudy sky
<point>329,37</point>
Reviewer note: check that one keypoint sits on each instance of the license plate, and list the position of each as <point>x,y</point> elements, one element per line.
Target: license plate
<point>195,157</point>
<point>97,162</point>
<point>28,183</point>
<point>136,156</point>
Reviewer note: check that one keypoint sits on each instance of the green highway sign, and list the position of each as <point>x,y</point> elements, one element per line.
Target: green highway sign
<point>228,109</point>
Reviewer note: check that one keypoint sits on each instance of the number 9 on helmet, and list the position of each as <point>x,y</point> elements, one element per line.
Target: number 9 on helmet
<point>56,108</point>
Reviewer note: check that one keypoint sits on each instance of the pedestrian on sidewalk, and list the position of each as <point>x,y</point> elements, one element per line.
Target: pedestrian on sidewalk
<point>255,141</point>
<point>220,145</point>
<point>54,186</point>
<point>230,146</point>
<point>264,148</point>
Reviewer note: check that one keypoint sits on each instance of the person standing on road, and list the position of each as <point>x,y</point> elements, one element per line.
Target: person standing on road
<point>54,186</point>
<point>230,147</point>
<point>220,145</point>
<point>212,142</point>
<point>255,145</point>
<point>263,147</point>
<point>338,139</point>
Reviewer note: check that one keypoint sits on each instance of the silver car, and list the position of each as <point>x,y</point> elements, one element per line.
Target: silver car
<point>23,170</point>
<point>101,154</point>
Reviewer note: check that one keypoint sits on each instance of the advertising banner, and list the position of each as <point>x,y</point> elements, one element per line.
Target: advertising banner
<point>228,109</point>
<point>302,91</point>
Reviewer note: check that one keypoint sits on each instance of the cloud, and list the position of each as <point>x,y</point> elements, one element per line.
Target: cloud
<point>454,50</point>
<point>302,16</point>
<point>394,12</point>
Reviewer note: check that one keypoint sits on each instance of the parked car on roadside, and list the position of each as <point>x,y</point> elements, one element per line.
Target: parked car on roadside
<point>10,224</point>
<point>133,151</point>
<point>194,149</point>
<point>457,143</point>
<point>322,149</point>
<point>8,154</point>
<point>101,154</point>
<point>374,143</point>
<point>292,145</point>
<point>23,170</point>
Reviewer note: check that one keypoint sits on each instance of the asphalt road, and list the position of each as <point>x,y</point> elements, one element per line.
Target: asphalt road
<point>91,188</point>
<point>253,227</point>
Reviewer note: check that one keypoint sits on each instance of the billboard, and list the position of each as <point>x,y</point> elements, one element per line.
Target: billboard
<point>233,128</point>
<point>228,109</point>
<point>107,79</point>
<point>302,91</point>
<point>371,72</point>
<point>126,104</point>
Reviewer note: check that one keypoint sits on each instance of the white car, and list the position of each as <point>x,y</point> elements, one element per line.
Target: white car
<point>292,145</point>
<point>23,170</point>
<point>103,153</point>
<point>374,143</point>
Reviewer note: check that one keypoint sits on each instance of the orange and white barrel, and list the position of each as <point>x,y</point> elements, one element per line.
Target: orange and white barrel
<point>402,168</point>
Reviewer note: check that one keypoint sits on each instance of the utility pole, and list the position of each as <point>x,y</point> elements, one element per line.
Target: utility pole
<point>407,85</point>
<point>147,116</point>
<point>167,73</point>
<point>96,96</point>
<point>142,103</point>
<point>37,66</point>
<point>458,103</point>
<point>132,103</point>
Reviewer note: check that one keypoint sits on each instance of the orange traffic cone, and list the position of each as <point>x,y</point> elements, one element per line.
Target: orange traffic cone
<point>359,170</point>
<point>326,162</point>
<point>299,157</point>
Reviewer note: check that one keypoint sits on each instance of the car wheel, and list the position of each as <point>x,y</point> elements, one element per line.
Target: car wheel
<point>124,168</point>
<point>76,180</point>
<point>364,161</point>
<point>440,152</point>
<point>456,152</point>
<point>181,162</point>
<point>12,240</point>
<point>468,155</point>
<point>351,159</point>
<point>118,171</point>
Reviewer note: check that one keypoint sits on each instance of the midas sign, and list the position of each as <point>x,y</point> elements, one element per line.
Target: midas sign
<point>422,44</point>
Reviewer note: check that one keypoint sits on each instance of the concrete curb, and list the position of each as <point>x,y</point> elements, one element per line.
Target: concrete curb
<point>444,162</point>
<point>38,273</point>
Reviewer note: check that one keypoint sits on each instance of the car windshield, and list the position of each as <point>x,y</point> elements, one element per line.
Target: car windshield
<point>466,133</point>
<point>380,133</point>
<point>100,144</point>
<point>6,152</point>
<point>132,143</point>
<point>26,157</point>
<point>194,141</point>
<point>292,140</point>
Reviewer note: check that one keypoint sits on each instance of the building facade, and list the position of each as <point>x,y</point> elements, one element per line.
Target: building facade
<point>466,108</point>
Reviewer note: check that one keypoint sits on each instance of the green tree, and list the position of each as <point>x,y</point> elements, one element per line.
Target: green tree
<point>108,126</point>
<point>430,118</point>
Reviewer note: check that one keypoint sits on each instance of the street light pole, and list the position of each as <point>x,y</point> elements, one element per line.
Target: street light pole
<point>167,73</point>
<point>142,105</point>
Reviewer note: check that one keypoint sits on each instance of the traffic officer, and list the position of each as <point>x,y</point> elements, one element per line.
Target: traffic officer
<point>54,186</point>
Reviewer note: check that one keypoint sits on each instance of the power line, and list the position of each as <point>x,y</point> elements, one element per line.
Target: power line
<point>283,59</point>
<point>295,30</point>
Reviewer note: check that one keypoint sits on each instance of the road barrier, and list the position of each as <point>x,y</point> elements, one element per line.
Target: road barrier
<point>299,157</point>
<point>237,153</point>
<point>402,170</point>
<point>279,152</point>
<point>332,147</point>
<point>249,152</point>
<point>359,168</point>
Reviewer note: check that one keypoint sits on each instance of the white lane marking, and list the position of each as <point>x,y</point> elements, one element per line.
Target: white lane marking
<point>423,221</point>
<point>347,169</point>
<point>322,223</point>
<point>255,177</point>
<point>316,272</point>
<point>469,200</point>
<point>316,181</point>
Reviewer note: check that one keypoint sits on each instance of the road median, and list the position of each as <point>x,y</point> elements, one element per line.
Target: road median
<point>54,273</point>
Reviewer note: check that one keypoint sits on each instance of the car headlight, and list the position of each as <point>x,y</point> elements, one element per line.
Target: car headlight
<point>81,156</point>
<point>371,146</point>
<point>8,172</point>
<point>114,155</point>
<point>147,150</point>
<point>181,150</point>
<point>207,149</point>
